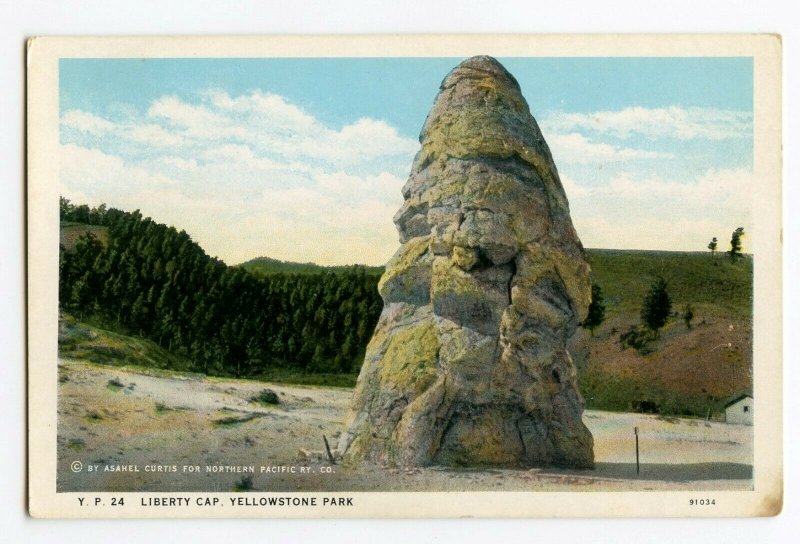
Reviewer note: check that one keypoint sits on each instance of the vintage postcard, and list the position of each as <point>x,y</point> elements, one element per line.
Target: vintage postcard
<point>405,276</point>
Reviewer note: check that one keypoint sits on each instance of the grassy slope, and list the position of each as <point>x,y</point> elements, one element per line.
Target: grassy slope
<point>79,340</point>
<point>715,286</point>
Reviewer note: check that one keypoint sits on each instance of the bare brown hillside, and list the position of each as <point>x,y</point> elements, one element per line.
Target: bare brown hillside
<point>689,372</point>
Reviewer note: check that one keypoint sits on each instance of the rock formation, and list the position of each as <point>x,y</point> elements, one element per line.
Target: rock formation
<point>468,364</point>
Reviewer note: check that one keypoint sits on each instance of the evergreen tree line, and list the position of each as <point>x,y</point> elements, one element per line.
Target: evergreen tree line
<point>154,281</point>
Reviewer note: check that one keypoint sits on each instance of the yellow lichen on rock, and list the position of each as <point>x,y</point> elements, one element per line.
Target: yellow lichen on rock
<point>409,363</point>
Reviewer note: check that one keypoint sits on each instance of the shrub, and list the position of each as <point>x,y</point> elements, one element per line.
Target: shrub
<point>266,396</point>
<point>637,338</point>
<point>644,406</point>
<point>245,484</point>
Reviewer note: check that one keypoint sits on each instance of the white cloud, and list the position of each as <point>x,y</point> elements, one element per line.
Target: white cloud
<point>92,170</point>
<point>672,122</point>
<point>270,124</point>
<point>152,135</point>
<point>246,176</point>
<point>574,148</point>
<point>365,139</point>
<point>272,108</point>
<point>729,188</point>
<point>92,125</point>
<point>266,123</point>
<point>659,233</point>
<point>86,122</point>
<point>574,189</point>
<point>353,188</point>
<point>179,163</point>
<point>645,213</point>
<point>197,120</point>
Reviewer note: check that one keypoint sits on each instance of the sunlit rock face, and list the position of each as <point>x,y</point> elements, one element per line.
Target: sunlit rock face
<point>468,363</point>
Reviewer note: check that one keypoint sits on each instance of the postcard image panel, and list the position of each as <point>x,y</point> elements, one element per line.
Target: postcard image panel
<point>405,276</point>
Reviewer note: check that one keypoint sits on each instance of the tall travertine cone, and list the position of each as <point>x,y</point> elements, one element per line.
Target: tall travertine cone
<point>468,364</point>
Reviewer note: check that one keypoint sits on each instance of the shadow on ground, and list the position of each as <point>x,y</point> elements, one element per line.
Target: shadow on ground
<point>671,472</point>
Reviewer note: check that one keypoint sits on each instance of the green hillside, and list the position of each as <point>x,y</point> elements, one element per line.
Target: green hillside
<point>80,340</point>
<point>685,371</point>
<point>265,266</point>
<point>154,282</point>
<point>716,286</point>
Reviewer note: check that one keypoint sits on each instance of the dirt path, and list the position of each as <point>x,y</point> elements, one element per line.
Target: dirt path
<point>133,430</point>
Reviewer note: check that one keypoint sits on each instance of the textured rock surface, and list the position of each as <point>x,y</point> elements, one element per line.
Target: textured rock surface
<point>468,365</point>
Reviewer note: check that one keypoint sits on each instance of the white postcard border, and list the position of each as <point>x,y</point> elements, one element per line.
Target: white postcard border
<point>42,134</point>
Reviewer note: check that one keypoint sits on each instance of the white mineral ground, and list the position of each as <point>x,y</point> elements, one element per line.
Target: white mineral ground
<point>169,420</point>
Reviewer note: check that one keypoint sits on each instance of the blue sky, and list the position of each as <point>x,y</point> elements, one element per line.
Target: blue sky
<point>303,159</point>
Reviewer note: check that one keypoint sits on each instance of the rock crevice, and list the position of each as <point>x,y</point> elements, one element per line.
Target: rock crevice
<point>468,363</point>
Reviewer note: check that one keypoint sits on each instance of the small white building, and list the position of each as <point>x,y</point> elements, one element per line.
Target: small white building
<point>740,410</point>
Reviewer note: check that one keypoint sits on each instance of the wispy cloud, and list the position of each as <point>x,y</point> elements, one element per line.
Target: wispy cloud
<point>576,148</point>
<point>266,123</point>
<point>638,212</point>
<point>93,126</point>
<point>247,176</point>
<point>671,122</point>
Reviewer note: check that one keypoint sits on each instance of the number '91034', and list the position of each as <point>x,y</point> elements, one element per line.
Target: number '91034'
<point>702,502</point>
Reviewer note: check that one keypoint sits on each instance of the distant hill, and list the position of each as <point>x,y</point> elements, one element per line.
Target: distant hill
<point>714,286</point>
<point>265,266</point>
<point>90,342</point>
<point>688,371</point>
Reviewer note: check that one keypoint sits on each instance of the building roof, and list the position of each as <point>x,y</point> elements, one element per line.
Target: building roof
<point>738,398</point>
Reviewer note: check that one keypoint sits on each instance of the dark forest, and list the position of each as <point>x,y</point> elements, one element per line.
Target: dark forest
<point>151,280</point>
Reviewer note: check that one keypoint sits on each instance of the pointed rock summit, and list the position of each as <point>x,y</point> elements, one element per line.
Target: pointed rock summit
<point>468,363</point>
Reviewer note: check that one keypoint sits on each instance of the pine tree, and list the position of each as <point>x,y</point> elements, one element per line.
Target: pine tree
<point>712,245</point>
<point>66,209</point>
<point>597,310</point>
<point>736,244</point>
<point>657,306</point>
